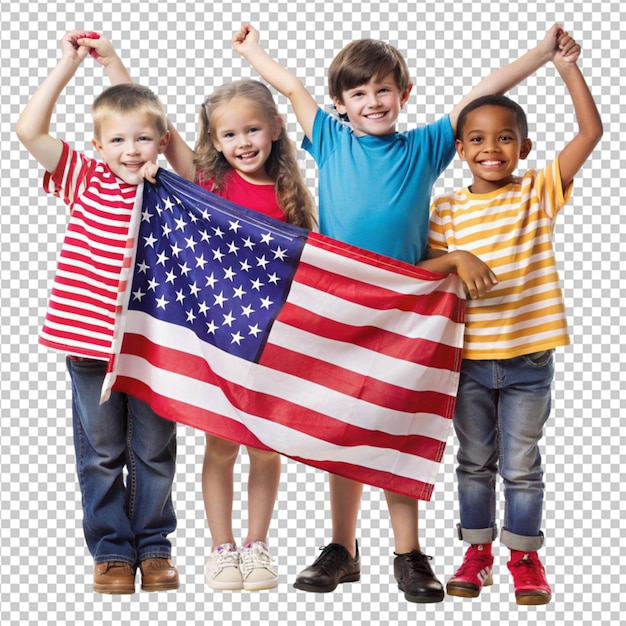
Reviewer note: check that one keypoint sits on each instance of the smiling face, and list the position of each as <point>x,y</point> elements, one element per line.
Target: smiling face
<point>492,145</point>
<point>373,108</point>
<point>241,131</point>
<point>127,141</point>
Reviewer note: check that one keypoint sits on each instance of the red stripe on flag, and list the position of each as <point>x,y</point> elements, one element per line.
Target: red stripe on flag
<point>415,350</point>
<point>366,294</point>
<point>347,381</point>
<point>358,254</point>
<point>225,428</point>
<point>296,417</point>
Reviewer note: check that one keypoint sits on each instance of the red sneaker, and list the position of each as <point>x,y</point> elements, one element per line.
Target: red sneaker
<point>529,580</point>
<point>473,575</point>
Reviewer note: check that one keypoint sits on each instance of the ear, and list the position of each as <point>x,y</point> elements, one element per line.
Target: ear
<point>405,95</point>
<point>525,148</point>
<point>97,145</point>
<point>278,127</point>
<point>165,139</point>
<point>460,149</point>
<point>341,109</point>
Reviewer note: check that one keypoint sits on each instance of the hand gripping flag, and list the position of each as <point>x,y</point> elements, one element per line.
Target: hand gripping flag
<point>279,338</point>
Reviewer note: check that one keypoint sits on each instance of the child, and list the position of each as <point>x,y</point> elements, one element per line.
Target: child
<point>374,192</point>
<point>125,525</point>
<point>242,154</point>
<point>514,321</point>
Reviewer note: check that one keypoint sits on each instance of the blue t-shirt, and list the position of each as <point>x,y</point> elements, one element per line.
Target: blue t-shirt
<point>374,192</point>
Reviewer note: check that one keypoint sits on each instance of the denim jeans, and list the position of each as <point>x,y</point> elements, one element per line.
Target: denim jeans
<point>501,409</point>
<point>125,462</point>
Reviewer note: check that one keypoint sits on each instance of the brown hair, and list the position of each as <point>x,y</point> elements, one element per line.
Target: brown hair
<point>360,61</point>
<point>128,98</point>
<point>293,196</point>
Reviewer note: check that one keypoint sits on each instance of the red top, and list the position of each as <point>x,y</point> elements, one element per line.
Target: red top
<point>260,198</point>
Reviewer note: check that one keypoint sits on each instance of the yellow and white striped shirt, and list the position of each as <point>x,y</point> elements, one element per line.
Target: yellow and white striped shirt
<point>511,230</point>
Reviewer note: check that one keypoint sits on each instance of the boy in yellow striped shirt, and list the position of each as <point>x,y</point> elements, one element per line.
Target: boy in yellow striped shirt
<point>497,235</point>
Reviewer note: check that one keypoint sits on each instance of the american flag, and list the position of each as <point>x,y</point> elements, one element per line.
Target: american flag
<point>279,338</point>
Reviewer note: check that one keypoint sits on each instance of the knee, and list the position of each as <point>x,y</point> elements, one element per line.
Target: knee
<point>264,457</point>
<point>221,450</point>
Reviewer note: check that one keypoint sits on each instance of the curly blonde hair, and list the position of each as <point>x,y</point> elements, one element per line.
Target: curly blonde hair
<point>292,194</point>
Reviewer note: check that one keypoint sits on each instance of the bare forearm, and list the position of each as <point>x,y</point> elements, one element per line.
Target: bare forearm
<point>179,155</point>
<point>36,115</point>
<point>33,125</point>
<point>587,116</point>
<point>507,77</point>
<point>117,72</point>
<point>246,43</point>
<point>590,130</point>
<point>275,74</point>
<point>504,79</point>
<point>439,261</point>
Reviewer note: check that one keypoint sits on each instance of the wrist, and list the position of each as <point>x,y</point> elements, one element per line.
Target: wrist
<point>543,55</point>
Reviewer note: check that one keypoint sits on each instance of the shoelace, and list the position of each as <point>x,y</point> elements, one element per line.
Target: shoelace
<point>527,571</point>
<point>255,555</point>
<point>227,556</point>
<point>418,561</point>
<point>331,553</point>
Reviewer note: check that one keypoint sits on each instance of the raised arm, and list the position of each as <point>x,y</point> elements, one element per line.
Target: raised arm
<point>33,125</point>
<point>246,43</point>
<point>101,49</point>
<point>507,77</point>
<point>590,130</point>
<point>179,155</point>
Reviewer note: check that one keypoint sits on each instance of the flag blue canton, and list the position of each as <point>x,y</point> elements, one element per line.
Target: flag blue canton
<point>220,270</point>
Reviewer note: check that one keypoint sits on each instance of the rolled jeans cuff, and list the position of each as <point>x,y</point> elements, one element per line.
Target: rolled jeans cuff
<point>521,542</point>
<point>477,536</point>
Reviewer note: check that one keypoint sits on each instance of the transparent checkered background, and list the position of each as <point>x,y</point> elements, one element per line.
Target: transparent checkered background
<point>182,51</point>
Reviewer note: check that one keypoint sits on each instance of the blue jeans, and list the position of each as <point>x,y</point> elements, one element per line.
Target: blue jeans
<point>123,520</point>
<point>501,409</point>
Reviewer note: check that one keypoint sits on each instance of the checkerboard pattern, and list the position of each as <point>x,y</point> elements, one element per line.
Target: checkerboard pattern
<point>182,50</point>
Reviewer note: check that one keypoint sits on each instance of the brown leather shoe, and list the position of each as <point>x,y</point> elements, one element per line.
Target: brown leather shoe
<point>158,575</point>
<point>113,577</point>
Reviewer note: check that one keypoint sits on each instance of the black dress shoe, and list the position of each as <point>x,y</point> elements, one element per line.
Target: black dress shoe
<point>333,566</point>
<point>416,578</point>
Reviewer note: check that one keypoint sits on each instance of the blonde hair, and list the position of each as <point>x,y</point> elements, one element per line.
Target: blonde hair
<point>128,98</point>
<point>292,194</point>
<point>364,59</point>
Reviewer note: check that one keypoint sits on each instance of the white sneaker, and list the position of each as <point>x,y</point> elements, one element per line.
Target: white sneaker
<point>256,567</point>
<point>222,568</point>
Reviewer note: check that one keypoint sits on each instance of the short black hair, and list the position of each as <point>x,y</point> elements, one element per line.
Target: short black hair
<point>493,100</point>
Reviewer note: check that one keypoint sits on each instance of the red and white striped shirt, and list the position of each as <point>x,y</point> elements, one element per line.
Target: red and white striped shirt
<point>80,318</point>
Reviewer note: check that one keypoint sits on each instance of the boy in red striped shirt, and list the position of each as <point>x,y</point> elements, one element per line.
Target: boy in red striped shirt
<point>125,522</point>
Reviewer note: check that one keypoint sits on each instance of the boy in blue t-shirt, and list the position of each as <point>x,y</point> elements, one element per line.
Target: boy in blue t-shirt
<point>374,192</point>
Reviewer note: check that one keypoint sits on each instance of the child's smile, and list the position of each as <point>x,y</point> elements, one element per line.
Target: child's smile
<point>373,108</point>
<point>492,146</point>
<point>244,136</point>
